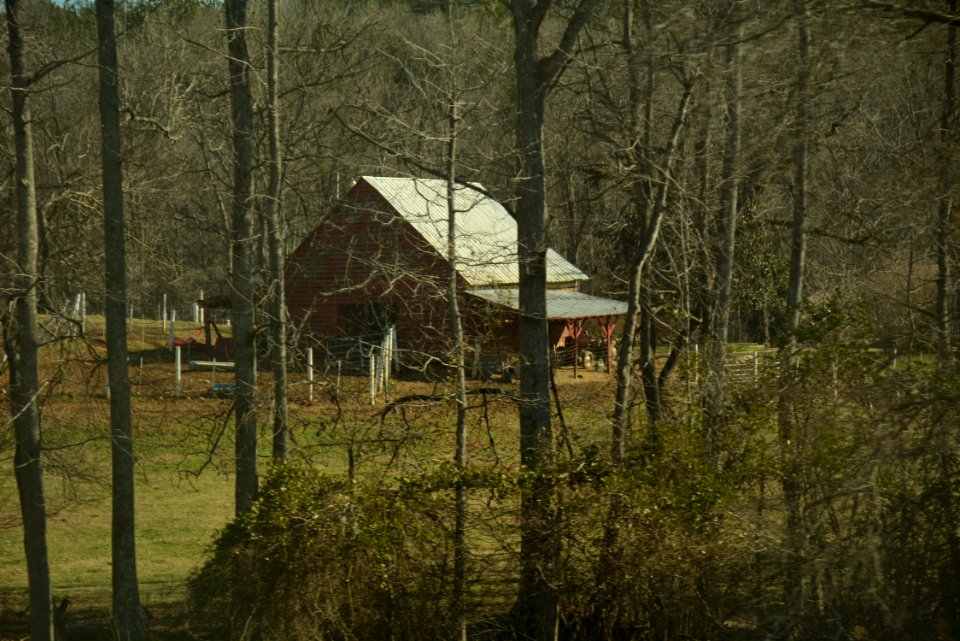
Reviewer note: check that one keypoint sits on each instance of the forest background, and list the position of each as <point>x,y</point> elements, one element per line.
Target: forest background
<point>775,173</point>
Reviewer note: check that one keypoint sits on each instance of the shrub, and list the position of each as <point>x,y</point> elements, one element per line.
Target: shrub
<point>319,558</point>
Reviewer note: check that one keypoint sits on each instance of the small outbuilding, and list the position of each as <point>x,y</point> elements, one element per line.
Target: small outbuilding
<point>376,265</point>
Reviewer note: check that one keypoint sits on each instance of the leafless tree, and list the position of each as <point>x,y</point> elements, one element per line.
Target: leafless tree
<point>242,244</point>
<point>945,203</point>
<point>21,344</point>
<point>127,616</point>
<point>536,606</point>
<point>650,189</point>
<point>727,225</point>
<point>278,303</point>
<point>790,441</point>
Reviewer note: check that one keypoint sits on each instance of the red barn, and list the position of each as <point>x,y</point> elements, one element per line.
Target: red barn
<point>379,260</point>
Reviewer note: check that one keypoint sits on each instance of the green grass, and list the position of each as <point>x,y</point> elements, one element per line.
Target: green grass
<point>176,517</point>
<point>180,507</point>
<point>177,513</point>
<point>184,492</point>
<point>178,510</point>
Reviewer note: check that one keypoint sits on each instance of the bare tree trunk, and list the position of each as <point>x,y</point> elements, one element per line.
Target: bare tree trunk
<point>537,599</point>
<point>640,146</point>
<point>944,293</point>
<point>652,182</point>
<point>648,219</point>
<point>245,366</point>
<point>942,232</point>
<point>127,617</point>
<point>278,317</point>
<point>791,443</point>
<point>23,349</point>
<point>705,206</point>
<point>458,354</point>
<point>536,607</point>
<point>720,317</point>
<point>649,237</point>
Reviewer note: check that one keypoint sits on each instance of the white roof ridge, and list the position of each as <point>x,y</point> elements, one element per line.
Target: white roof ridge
<point>487,237</point>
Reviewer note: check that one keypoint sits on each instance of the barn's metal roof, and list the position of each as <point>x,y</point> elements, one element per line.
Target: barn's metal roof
<point>561,304</point>
<point>486,232</point>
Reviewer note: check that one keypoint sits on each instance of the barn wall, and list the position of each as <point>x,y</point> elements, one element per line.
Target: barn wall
<point>366,255</point>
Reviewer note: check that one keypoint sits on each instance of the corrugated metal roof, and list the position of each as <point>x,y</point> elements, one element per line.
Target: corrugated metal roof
<point>561,304</point>
<point>486,232</point>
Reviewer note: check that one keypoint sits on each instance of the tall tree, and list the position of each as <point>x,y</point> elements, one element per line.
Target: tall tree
<point>649,200</point>
<point>790,440</point>
<point>127,616</point>
<point>22,347</point>
<point>946,290</point>
<point>945,204</point>
<point>278,309</point>
<point>727,226</point>
<point>536,606</point>
<point>242,232</point>
<point>458,358</point>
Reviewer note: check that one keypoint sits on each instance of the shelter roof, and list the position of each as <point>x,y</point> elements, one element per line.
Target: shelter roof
<point>561,304</point>
<point>223,301</point>
<point>486,233</point>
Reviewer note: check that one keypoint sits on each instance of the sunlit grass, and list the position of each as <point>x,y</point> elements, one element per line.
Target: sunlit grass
<point>177,515</point>
<point>184,452</point>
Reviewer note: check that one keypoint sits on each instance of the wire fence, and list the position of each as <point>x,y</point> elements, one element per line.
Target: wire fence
<point>75,363</point>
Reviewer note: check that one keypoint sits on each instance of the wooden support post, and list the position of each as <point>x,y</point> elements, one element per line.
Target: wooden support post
<point>394,352</point>
<point>833,366</point>
<point>696,363</point>
<point>572,325</point>
<point>310,374</point>
<point>607,326</point>
<point>176,370</point>
<point>385,361</point>
<point>373,377</point>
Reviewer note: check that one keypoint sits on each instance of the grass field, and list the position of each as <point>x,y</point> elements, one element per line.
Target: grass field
<point>177,512</point>
<point>184,450</point>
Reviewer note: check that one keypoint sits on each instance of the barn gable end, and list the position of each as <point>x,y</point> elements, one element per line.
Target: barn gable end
<point>379,260</point>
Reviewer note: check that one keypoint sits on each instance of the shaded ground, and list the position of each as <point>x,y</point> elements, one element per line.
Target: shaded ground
<point>171,432</point>
<point>166,622</point>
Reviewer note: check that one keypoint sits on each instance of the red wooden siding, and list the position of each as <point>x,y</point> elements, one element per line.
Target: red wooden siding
<point>365,254</point>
